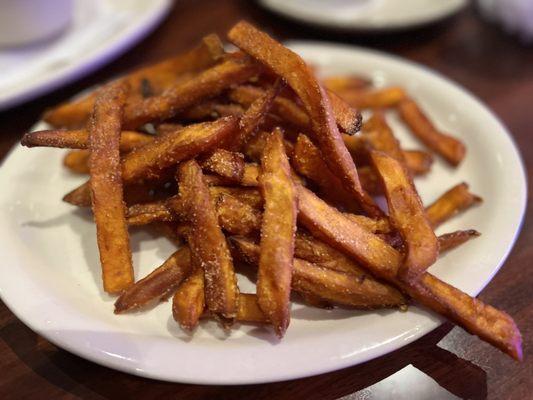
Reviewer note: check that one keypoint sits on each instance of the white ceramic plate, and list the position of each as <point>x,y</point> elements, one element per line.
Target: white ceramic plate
<point>51,274</point>
<point>100,31</point>
<point>366,15</point>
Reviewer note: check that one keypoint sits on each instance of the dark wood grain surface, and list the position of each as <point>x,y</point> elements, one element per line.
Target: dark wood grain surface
<point>445,363</point>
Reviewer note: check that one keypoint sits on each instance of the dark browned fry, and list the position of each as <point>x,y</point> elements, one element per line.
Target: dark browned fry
<point>333,286</point>
<point>407,215</point>
<point>211,109</point>
<point>451,240</point>
<point>74,114</point>
<point>278,228</point>
<point>227,164</point>
<point>455,200</point>
<point>490,324</point>
<point>158,285</point>
<point>183,94</point>
<point>207,242</point>
<point>147,162</point>
<point>379,135</point>
<point>189,301</point>
<point>106,188</point>
<point>308,162</point>
<point>301,79</point>
<point>79,139</point>
<point>450,148</point>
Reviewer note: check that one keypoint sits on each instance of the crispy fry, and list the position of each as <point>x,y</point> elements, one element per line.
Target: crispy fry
<point>79,139</point>
<point>179,96</point>
<point>308,162</point>
<point>373,98</point>
<point>77,161</point>
<point>249,310</point>
<point>236,217</point>
<point>227,164</point>
<point>348,119</point>
<point>255,114</point>
<point>74,114</point>
<point>333,286</point>
<point>106,189</point>
<point>350,82</point>
<point>189,301</point>
<point>254,146</point>
<point>158,285</point>
<point>407,215</point>
<point>490,324</point>
<point>250,196</point>
<point>451,240</point>
<point>142,214</point>
<point>211,109</point>
<point>417,161</point>
<point>207,242</point>
<point>452,202</point>
<point>301,79</point>
<point>380,136</point>
<point>277,234</point>
<point>450,148</point>
<point>147,162</point>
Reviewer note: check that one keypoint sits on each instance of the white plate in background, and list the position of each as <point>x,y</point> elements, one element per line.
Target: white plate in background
<point>100,31</point>
<point>51,272</point>
<point>366,15</point>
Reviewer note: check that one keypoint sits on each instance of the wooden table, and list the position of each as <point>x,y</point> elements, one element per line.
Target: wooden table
<point>476,55</point>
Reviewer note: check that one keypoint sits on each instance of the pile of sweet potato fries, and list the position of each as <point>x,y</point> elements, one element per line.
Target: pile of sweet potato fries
<point>247,158</point>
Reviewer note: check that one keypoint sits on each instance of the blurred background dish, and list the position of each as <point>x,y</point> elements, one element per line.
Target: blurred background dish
<point>366,15</point>
<point>99,31</point>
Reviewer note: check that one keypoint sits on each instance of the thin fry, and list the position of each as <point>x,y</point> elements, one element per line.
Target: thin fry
<point>158,285</point>
<point>189,301</point>
<point>227,164</point>
<point>207,242</point>
<point>455,200</point>
<point>106,188</point>
<point>450,148</point>
<point>277,234</point>
<point>301,79</point>
<point>450,241</point>
<point>407,215</point>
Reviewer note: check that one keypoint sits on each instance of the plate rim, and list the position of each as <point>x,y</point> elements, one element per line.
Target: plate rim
<point>276,377</point>
<point>348,26</point>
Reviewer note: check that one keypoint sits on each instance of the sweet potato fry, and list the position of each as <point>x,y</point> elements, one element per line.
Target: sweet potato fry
<point>277,234</point>
<point>79,139</point>
<point>348,119</point>
<point>254,146</point>
<point>255,115</point>
<point>210,109</point>
<point>451,203</point>
<point>106,189</point>
<point>451,240</point>
<point>158,285</point>
<point>417,161</point>
<point>350,237</point>
<point>236,217</point>
<point>333,286</point>
<point>147,162</point>
<point>328,224</point>
<point>207,242</point>
<point>373,98</point>
<point>179,96</point>
<point>77,161</point>
<point>350,82</point>
<point>189,301</point>
<point>142,214</point>
<point>74,114</point>
<point>227,164</point>
<point>249,310</point>
<point>301,79</point>
<point>378,133</point>
<point>308,162</point>
<point>250,196</point>
<point>407,215</point>
<point>450,148</point>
